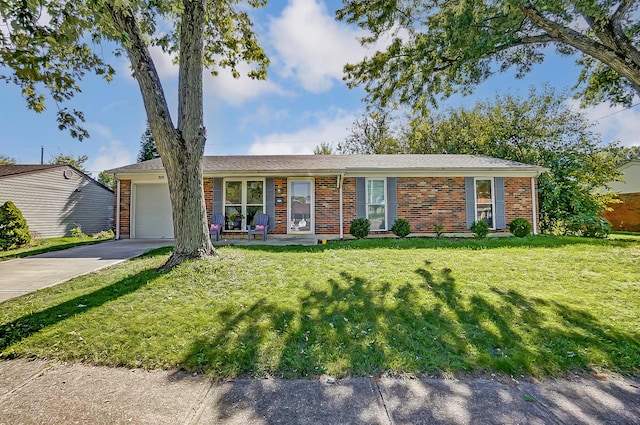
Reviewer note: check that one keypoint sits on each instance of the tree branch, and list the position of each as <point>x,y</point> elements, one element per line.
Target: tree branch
<point>599,51</point>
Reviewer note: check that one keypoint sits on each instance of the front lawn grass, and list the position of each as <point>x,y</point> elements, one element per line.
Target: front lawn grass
<point>538,306</point>
<point>40,246</point>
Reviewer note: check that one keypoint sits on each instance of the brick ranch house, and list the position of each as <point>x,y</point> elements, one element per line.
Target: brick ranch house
<point>319,195</point>
<point>626,214</point>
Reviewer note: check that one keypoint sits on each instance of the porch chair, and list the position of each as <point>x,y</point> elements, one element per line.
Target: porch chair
<point>260,226</point>
<point>217,223</point>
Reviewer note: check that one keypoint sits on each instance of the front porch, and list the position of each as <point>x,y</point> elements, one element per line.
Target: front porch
<point>241,238</point>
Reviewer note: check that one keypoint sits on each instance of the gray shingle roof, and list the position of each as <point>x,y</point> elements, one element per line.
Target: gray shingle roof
<point>12,170</point>
<point>331,163</point>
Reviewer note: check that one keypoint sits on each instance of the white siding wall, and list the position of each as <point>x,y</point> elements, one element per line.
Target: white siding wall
<point>52,206</point>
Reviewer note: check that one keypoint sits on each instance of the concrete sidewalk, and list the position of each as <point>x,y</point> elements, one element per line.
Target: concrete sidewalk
<point>24,275</point>
<point>41,392</point>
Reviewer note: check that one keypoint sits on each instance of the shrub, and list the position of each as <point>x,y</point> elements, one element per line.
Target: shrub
<point>589,226</point>
<point>520,227</point>
<point>438,229</point>
<point>105,234</point>
<point>14,231</point>
<point>480,229</point>
<point>360,228</point>
<point>76,232</point>
<point>401,228</point>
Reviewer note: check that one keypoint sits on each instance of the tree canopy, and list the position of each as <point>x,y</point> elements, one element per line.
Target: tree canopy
<point>48,47</point>
<point>7,160</point>
<point>441,47</point>
<point>537,129</point>
<point>148,149</point>
<point>68,159</point>
<point>371,134</point>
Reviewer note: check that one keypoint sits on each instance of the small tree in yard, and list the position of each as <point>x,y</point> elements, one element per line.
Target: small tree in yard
<point>14,231</point>
<point>53,54</point>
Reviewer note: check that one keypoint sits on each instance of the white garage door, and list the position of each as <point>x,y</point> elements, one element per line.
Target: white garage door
<point>153,218</point>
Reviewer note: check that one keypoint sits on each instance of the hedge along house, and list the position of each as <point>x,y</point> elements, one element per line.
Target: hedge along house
<point>319,195</point>
<point>57,198</point>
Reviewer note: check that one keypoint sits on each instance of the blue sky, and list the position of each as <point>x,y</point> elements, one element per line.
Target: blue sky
<point>303,102</point>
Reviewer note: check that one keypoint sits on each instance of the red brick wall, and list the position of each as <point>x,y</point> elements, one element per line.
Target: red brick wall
<point>281,210</point>
<point>517,196</point>
<point>125,209</point>
<point>348,203</point>
<point>327,208</point>
<point>208,197</point>
<point>625,215</point>
<point>425,201</point>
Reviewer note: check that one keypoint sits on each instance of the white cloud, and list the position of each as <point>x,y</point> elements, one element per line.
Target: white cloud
<point>100,130</point>
<point>614,123</point>
<point>312,47</point>
<point>327,129</point>
<point>264,115</point>
<point>111,155</point>
<point>235,91</point>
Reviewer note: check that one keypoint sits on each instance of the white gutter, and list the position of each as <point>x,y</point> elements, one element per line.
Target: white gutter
<point>339,182</point>
<point>533,205</point>
<point>117,209</point>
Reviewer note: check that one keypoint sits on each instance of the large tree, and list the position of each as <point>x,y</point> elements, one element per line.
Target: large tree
<point>371,134</point>
<point>49,45</point>
<point>537,129</point>
<point>437,48</point>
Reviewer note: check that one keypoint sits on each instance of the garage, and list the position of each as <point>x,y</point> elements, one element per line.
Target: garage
<point>152,218</point>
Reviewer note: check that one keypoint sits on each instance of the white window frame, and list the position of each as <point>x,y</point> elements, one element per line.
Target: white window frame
<point>493,199</point>
<point>243,206</point>
<point>386,202</point>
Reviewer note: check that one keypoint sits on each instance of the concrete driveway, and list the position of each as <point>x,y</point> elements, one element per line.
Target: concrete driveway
<point>24,275</point>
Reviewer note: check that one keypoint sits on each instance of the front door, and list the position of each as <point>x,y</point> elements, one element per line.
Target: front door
<point>300,211</point>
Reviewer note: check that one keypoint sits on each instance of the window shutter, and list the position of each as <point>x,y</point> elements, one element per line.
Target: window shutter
<point>392,201</point>
<point>361,198</point>
<point>271,202</point>
<point>469,195</point>
<point>217,196</point>
<point>501,214</point>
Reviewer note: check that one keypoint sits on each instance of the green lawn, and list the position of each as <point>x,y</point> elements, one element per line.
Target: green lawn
<point>40,246</point>
<point>540,307</point>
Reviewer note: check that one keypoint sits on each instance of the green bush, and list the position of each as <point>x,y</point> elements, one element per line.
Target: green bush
<point>480,229</point>
<point>520,227</point>
<point>77,232</point>
<point>14,231</point>
<point>401,228</point>
<point>105,234</point>
<point>438,229</point>
<point>589,226</point>
<point>360,228</point>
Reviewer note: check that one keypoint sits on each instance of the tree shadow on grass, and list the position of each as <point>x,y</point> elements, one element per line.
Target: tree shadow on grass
<point>25,326</point>
<point>360,327</point>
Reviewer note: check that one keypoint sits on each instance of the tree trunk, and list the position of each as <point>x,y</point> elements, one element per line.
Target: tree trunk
<point>181,149</point>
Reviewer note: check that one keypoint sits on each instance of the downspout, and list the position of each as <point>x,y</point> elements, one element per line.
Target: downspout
<point>117,209</point>
<point>533,205</point>
<point>340,178</point>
